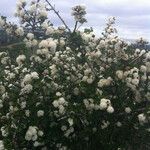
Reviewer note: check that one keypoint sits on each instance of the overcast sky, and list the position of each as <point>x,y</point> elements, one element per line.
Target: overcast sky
<point>133,16</point>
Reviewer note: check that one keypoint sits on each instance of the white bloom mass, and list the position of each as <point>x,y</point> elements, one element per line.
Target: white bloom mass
<point>142,118</point>
<point>31,133</point>
<point>128,110</point>
<point>20,59</point>
<point>30,36</point>
<point>119,74</point>
<point>26,89</point>
<point>34,75</point>
<point>2,145</point>
<point>110,109</point>
<point>40,113</point>
<point>20,31</point>
<point>64,87</point>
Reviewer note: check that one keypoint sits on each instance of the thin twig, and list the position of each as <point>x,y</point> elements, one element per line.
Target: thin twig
<point>57,13</point>
<point>75,26</point>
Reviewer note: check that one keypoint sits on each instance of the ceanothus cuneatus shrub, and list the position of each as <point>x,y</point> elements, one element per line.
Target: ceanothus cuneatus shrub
<point>76,91</point>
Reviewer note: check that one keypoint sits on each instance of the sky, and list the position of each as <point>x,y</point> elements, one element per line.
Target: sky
<point>132,16</point>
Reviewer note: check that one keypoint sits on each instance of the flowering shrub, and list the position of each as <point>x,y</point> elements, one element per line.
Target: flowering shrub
<point>76,91</point>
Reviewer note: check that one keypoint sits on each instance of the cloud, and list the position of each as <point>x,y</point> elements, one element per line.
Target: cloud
<point>133,16</point>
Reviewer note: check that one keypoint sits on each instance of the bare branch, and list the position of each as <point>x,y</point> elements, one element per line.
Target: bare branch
<point>75,26</point>
<point>57,13</point>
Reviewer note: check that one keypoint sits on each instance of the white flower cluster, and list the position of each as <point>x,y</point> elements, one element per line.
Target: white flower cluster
<point>29,77</point>
<point>104,82</point>
<point>33,133</point>
<point>4,131</point>
<point>19,31</point>
<point>48,44</point>
<point>106,104</point>
<point>1,145</point>
<point>142,118</point>
<point>79,13</point>
<point>30,40</point>
<point>2,89</point>
<point>20,59</point>
<point>61,103</point>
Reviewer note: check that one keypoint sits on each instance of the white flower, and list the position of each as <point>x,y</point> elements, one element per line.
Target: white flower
<point>23,105</point>
<point>49,30</point>
<point>119,124</point>
<point>2,89</point>
<point>128,110</point>
<point>79,13</point>
<point>34,42</point>
<point>28,136</point>
<point>103,105</point>
<point>55,104</point>
<point>21,13</point>
<point>103,100</point>
<point>22,1</point>
<point>135,75</point>
<point>142,52</point>
<point>36,144</point>
<point>43,44</point>
<point>76,91</point>
<point>102,43</point>
<point>135,81</point>
<point>143,68</point>
<point>34,75</point>
<point>2,145</point>
<point>32,8</point>
<point>40,133</point>
<point>27,78</point>
<point>84,78</point>
<point>137,51</point>
<point>70,120</point>
<point>30,36</point>
<point>110,109</point>
<point>33,129</point>
<point>4,132</point>
<point>27,89</point>
<point>19,31</point>
<point>31,133</point>
<point>52,45</point>
<point>142,118</point>
<point>40,113</point>
<point>11,75</point>
<point>44,25</point>
<point>104,82</point>
<point>20,59</point>
<point>61,109</point>
<point>58,94</point>
<point>144,78</point>
<point>27,113</point>
<point>43,13</point>
<point>34,137</point>
<point>89,80</point>
<point>148,66</point>
<point>45,51</point>
<point>61,101</point>
<point>119,74</point>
